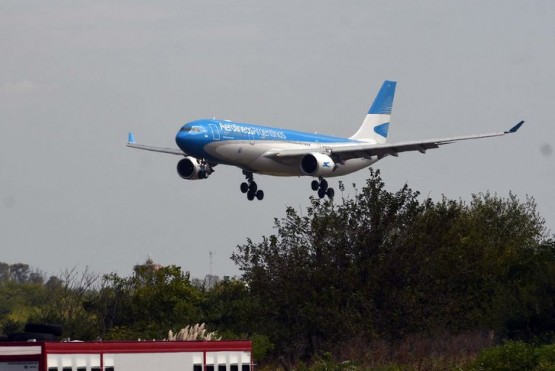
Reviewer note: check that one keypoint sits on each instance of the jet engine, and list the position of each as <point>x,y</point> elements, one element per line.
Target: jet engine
<point>317,164</point>
<point>191,168</point>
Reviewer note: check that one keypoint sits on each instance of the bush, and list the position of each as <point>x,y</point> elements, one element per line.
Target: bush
<point>516,356</point>
<point>546,357</point>
<point>327,363</point>
<point>261,345</point>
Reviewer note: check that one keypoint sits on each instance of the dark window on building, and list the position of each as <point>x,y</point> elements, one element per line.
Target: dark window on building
<point>81,369</point>
<point>246,368</point>
<point>52,368</point>
<point>233,368</point>
<point>109,368</point>
<point>95,368</point>
<point>197,368</point>
<point>222,368</point>
<point>209,367</point>
<point>66,369</point>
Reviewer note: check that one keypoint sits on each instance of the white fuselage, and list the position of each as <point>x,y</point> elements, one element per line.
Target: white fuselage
<point>250,155</point>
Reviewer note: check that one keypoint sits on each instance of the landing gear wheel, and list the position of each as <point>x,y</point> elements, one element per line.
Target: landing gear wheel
<point>251,188</point>
<point>321,185</point>
<point>324,184</point>
<point>244,187</point>
<point>315,185</point>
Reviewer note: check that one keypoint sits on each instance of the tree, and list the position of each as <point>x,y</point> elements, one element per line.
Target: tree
<point>4,272</point>
<point>68,296</point>
<point>314,283</point>
<point>19,272</point>
<point>152,301</point>
<point>385,264</point>
<point>227,308</point>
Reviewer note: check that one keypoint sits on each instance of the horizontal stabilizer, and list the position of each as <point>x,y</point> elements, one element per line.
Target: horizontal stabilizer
<point>133,144</point>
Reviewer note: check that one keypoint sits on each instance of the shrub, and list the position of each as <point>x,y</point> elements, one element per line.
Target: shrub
<point>509,356</point>
<point>546,357</point>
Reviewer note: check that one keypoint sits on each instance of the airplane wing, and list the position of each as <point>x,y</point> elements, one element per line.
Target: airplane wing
<point>346,152</point>
<point>133,144</point>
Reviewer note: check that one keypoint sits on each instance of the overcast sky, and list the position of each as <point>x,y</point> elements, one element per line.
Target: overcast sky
<point>76,76</point>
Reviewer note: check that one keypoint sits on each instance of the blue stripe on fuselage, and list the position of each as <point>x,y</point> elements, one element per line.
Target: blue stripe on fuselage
<point>194,136</point>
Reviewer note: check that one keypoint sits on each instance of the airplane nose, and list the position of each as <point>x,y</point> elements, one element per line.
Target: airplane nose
<point>180,137</point>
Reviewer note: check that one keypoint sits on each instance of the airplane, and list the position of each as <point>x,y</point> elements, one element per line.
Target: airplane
<point>256,149</point>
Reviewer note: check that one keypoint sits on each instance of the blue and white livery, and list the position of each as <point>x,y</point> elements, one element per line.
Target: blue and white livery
<point>265,150</point>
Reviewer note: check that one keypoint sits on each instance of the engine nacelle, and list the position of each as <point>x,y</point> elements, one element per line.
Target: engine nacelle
<point>190,168</point>
<point>317,164</point>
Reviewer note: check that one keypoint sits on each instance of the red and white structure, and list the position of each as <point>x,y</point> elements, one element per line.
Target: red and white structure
<point>126,356</point>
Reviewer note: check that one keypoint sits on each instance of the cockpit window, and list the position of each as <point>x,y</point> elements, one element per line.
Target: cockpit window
<point>193,129</point>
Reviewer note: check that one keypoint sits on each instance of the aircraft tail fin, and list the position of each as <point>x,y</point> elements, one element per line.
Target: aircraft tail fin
<point>131,138</point>
<point>375,126</point>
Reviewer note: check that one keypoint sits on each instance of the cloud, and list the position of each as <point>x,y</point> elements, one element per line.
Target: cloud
<point>19,87</point>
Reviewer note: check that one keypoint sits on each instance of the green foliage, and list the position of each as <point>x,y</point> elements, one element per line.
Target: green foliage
<point>385,264</point>
<point>546,357</point>
<point>9,325</point>
<point>66,304</point>
<point>516,356</point>
<point>19,273</point>
<point>261,345</point>
<point>227,307</point>
<point>20,301</point>
<point>314,283</point>
<point>148,304</point>
<point>326,363</point>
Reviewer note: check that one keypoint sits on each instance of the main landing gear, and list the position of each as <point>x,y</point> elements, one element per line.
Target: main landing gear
<point>250,188</point>
<point>321,185</point>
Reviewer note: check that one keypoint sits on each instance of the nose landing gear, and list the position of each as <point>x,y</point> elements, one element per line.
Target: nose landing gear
<point>251,188</point>
<point>321,186</point>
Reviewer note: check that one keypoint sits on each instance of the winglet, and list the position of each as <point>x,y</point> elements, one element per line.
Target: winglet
<point>514,128</point>
<point>131,138</point>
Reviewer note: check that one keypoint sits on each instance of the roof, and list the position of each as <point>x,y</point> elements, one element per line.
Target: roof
<point>16,348</point>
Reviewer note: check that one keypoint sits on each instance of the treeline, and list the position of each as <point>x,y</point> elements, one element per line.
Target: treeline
<point>20,273</point>
<point>386,265</point>
<point>343,278</point>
